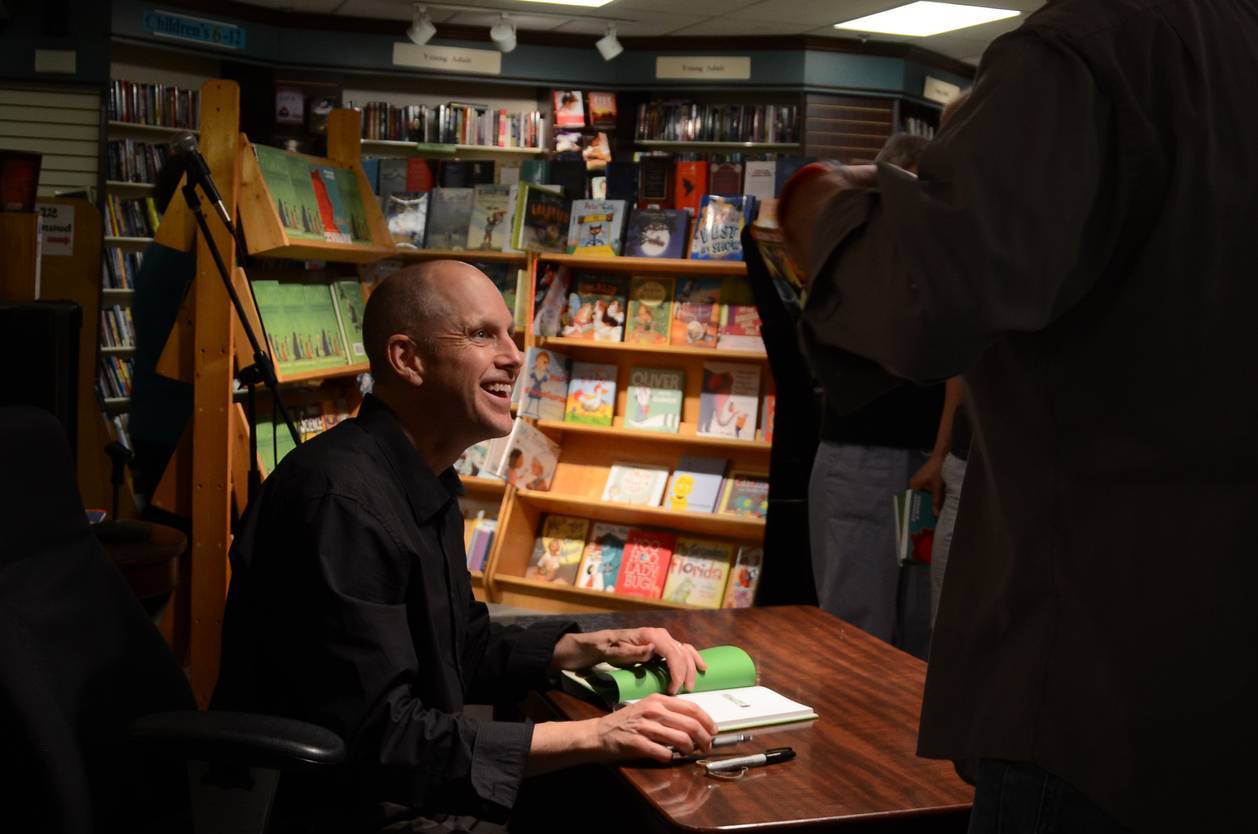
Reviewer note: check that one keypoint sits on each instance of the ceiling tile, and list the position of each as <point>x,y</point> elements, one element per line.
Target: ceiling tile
<point>652,26</point>
<point>718,26</point>
<point>638,8</point>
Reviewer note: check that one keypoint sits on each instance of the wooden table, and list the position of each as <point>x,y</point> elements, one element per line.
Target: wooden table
<point>856,768</point>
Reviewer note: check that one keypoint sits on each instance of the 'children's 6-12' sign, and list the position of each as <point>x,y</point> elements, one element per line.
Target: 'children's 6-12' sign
<point>182,27</point>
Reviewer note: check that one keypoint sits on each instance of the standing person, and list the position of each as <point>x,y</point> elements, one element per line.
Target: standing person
<point>1079,243</point>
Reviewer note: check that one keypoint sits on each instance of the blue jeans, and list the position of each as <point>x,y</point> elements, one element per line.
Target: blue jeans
<point>1022,798</point>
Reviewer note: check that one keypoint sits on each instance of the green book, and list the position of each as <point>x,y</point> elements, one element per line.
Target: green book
<point>287,177</point>
<point>348,296</point>
<point>320,329</point>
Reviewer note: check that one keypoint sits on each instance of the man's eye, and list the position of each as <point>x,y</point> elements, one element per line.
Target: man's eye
<point>480,333</point>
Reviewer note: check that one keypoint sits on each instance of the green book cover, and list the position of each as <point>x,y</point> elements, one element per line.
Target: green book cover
<point>352,201</point>
<point>729,667</point>
<point>287,178</point>
<point>268,296</point>
<point>348,296</point>
<point>650,310</point>
<point>653,399</point>
<point>320,330</point>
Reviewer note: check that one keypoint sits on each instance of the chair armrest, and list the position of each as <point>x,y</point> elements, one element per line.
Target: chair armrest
<point>238,738</point>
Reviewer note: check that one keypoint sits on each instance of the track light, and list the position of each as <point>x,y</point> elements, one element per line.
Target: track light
<point>607,45</point>
<point>503,34</point>
<point>421,30</point>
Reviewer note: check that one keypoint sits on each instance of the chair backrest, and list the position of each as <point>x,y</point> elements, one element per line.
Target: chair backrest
<point>81,660</point>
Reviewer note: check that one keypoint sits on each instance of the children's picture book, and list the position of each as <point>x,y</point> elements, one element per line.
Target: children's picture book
<point>726,179</point>
<point>472,461</point>
<point>719,226</point>
<point>635,483</point>
<point>406,213</point>
<point>596,309</point>
<point>600,563</point>
<point>540,222</point>
<point>746,494</point>
<point>744,577</point>
<point>602,108</point>
<point>657,233</point>
<point>691,185</point>
<point>569,110</point>
<point>529,459</point>
<point>916,520</point>
<point>696,312</point>
<point>698,572</point>
<point>301,326</point>
<point>591,394</point>
<point>644,565</point>
<point>696,484</point>
<point>449,213</point>
<point>543,386</point>
<point>650,310</point>
<point>758,179</point>
<point>348,295</point>
<point>552,295</point>
<point>594,228</point>
<point>729,399</point>
<point>740,318</point>
<point>653,399</point>
<point>597,152</point>
<point>557,551</point>
<point>487,228</point>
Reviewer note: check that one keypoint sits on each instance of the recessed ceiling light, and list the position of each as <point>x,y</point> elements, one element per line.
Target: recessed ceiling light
<point>593,4</point>
<point>923,19</point>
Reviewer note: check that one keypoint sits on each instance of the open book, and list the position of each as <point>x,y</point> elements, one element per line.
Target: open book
<point>727,691</point>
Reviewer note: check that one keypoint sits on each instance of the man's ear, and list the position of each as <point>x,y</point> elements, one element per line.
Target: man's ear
<point>404,357</point>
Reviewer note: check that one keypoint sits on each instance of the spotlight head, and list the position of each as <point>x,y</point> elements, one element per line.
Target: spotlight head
<point>502,34</point>
<point>421,29</point>
<point>608,46</point>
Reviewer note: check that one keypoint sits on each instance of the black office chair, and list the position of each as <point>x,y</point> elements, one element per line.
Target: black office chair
<point>99,731</point>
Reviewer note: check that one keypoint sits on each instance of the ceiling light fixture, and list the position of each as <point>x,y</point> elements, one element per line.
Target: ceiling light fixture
<point>608,45</point>
<point>923,19</point>
<point>421,30</point>
<point>503,34</point>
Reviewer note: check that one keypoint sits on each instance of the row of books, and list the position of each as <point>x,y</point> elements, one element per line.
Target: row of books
<point>119,268</point>
<point>131,161</point>
<point>576,109</point>
<point>164,105</point>
<point>681,121</point>
<point>479,540</point>
<point>311,325</point>
<point>918,127</point>
<point>453,123</point>
<point>117,329</point>
<point>114,377</point>
<point>130,218</point>
<point>312,419</point>
<point>645,563</point>
<point>313,199</point>
<point>696,485</point>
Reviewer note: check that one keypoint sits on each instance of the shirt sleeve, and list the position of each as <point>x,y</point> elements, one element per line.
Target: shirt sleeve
<point>507,661</point>
<point>919,276</point>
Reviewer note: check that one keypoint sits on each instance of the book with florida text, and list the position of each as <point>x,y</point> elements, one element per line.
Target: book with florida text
<point>644,565</point>
<point>697,572</point>
<point>557,551</point>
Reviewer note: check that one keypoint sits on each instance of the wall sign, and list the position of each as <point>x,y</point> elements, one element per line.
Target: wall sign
<point>448,59</point>
<point>56,229</point>
<point>703,67</point>
<point>933,89</point>
<point>182,27</point>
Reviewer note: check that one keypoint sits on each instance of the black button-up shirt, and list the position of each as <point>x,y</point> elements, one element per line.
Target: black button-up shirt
<point>351,607</point>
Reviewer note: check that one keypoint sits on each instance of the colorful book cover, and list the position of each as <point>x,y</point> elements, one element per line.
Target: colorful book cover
<point>319,329</point>
<point>726,179</point>
<point>472,461</point>
<point>768,410</point>
<point>508,220</point>
<point>692,183</point>
<point>698,572</point>
<point>600,563</point>
<point>504,278</point>
<point>644,564</point>
<point>596,309</point>
<point>419,175</point>
<point>653,399</point>
<point>348,296</point>
<point>657,233</point>
<point>917,526</point>
<point>543,385</point>
<point>406,213</point>
<point>697,312</point>
<point>594,227</point>
<point>569,110</point>
<point>696,484</point>
<point>746,494</point>
<point>602,108</point>
<point>758,179</point>
<point>530,458</point>
<point>540,222</point>
<point>740,318</point>
<point>744,578</point>
<point>287,178</point>
<point>591,394</point>
<point>635,483</point>
<point>487,228</point>
<point>597,153</point>
<point>552,290</point>
<point>351,199</point>
<point>557,551</point>
<point>719,227</point>
<point>728,400</point>
<point>650,310</point>
<point>449,213</point>
<point>301,325</point>
<point>332,208</point>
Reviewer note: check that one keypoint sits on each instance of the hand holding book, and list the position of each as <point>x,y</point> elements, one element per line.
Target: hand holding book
<point>680,662</point>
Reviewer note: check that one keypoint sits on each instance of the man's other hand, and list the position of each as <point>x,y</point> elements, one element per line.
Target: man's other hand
<point>652,728</point>
<point>930,478</point>
<point>626,646</point>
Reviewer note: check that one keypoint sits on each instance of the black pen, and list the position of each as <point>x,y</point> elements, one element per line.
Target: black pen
<point>773,756</point>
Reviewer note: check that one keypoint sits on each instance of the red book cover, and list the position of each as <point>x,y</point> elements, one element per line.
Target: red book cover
<point>644,566</point>
<point>691,184</point>
<point>419,177</point>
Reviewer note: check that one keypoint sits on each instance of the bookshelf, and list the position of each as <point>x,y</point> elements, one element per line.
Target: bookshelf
<point>392,147</point>
<point>728,147</point>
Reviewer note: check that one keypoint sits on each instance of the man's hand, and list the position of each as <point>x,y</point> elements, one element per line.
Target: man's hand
<point>802,203</point>
<point>930,477</point>
<point>625,646</point>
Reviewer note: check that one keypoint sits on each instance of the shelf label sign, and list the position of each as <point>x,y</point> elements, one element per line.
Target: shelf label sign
<point>183,27</point>
<point>938,90</point>
<point>703,67</point>
<point>56,229</point>
<point>448,59</point>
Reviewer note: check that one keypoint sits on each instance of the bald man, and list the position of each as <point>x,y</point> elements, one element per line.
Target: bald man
<point>351,606</point>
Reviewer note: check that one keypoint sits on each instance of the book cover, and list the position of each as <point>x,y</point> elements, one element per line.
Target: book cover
<point>768,410</point>
<point>740,318</point>
<point>600,563</point>
<point>594,228</point>
<point>917,526</point>
<point>622,181</point>
<point>449,213</point>
<point>635,483</point>
<point>479,543</point>
<point>653,399</point>
<point>287,178</point>
<point>529,459</point>
<point>419,175</point>
<point>552,290</point>
<point>504,277</point>
<point>602,109</point>
<point>597,152</point>
<point>744,577</point>
<point>719,227</point>
<point>596,309</point>
<point>406,213</point>
<point>508,173</point>
<point>348,296</point>
<point>696,484</point>
<point>691,179</point>
<point>644,564</point>
<point>332,209</point>
<point>472,461</point>
<point>544,385</point>
<point>567,141</point>
<point>728,400</point>
<point>540,223</point>
<point>591,394</point>
<point>557,551</point>
<point>657,233</point>
<point>746,494</point>
<point>453,173</point>
<point>726,179</point>
<point>698,572</point>
<point>650,310</point>
<point>390,180</point>
<point>759,179</point>
<point>696,312</point>
<point>536,171</point>
<point>487,227</point>
<point>570,176</point>
<point>655,181</point>
<point>569,111</point>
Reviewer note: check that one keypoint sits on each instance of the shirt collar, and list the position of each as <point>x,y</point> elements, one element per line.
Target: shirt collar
<point>428,493</point>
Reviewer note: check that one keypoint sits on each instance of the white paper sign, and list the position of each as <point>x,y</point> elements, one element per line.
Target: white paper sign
<point>940,91</point>
<point>56,229</point>
<point>703,67</point>
<point>448,58</point>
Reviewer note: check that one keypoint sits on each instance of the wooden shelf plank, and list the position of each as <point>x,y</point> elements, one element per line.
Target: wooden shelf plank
<point>670,266</point>
<point>492,486</point>
<point>118,349</point>
<point>490,256</point>
<point>117,295</point>
<point>707,524</point>
<point>318,250</point>
<point>140,127</point>
<point>617,434</point>
<point>397,146</point>
<point>323,373</point>
<point>572,598</point>
<point>634,347</point>
<point>699,144</point>
<point>123,185</point>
